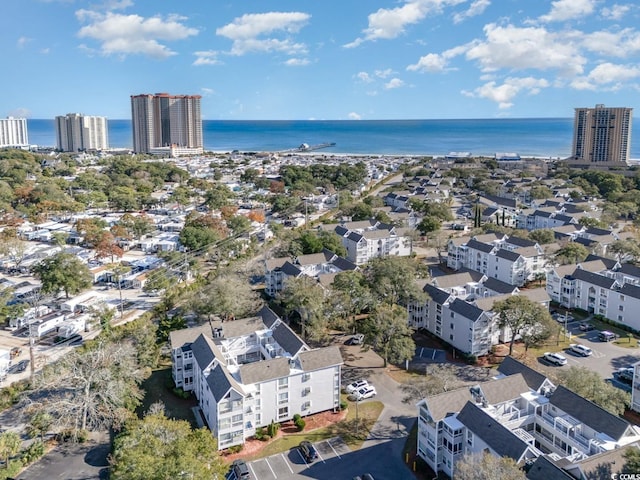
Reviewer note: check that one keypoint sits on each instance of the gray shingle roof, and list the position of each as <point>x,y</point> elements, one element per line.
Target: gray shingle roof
<point>218,382</point>
<point>630,290</point>
<point>447,403</point>
<point>343,264</point>
<point>483,247</point>
<point>498,286</point>
<point>594,278</point>
<point>185,336</point>
<point>290,269</point>
<point>504,389</point>
<point>588,413</point>
<point>544,469</point>
<point>258,372</point>
<point>507,255</point>
<point>287,339</point>
<point>511,366</point>
<point>520,242</point>
<point>629,269</point>
<point>203,351</point>
<point>437,295</point>
<point>268,316</point>
<point>241,327</point>
<point>499,438</point>
<point>466,309</point>
<point>320,358</point>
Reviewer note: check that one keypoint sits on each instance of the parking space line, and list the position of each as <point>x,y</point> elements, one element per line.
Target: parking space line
<point>433,355</point>
<point>320,456</point>
<point>252,471</point>
<point>285,461</point>
<point>302,457</point>
<point>421,350</point>
<point>269,465</point>
<point>334,450</point>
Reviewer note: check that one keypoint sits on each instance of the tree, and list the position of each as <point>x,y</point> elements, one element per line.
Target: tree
<point>537,334</point>
<point>228,295</point>
<point>13,247</point>
<point>572,253</point>
<point>485,466</point>
<point>304,295</point>
<point>106,246</point>
<point>163,449</point>
<point>157,280</point>
<point>352,288</point>
<point>632,460</point>
<point>543,236</point>
<point>39,424</point>
<point>392,280</point>
<point>428,224</point>
<point>439,378</point>
<point>63,271</point>
<point>588,384</point>
<point>92,388</point>
<point>518,314</point>
<point>387,331</point>
<point>627,250</point>
<point>9,446</point>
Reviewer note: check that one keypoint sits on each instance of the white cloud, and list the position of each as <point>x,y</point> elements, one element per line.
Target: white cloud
<point>132,34</point>
<point>22,41</point>
<point>615,12</point>
<point>432,62</point>
<point>516,48</point>
<point>354,116</point>
<point>207,91</point>
<point>562,10</point>
<point>364,77</point>
<point>609,73</point>
<point>383,73</point>
<point>245,32</point>
<point>504,93</point>
<point>394,83</point>
<point>387,23</point>
<point>206,57</point>
<point>297,62</point>
<point>622,43</point>
<point>476,8</point>
<point>45,51</point>
<point>20,113</point>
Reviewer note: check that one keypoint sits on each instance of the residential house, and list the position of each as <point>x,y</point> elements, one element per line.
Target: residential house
<point>371,239</point>
<point>250,372</point>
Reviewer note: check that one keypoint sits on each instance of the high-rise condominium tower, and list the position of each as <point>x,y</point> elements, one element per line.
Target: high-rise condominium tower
<point>78,133</point>
<point>602,134</point>
<point>164,122</point>
<point>13,132</point>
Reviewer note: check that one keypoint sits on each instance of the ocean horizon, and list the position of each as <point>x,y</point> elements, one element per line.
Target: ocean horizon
<point>528,137</point>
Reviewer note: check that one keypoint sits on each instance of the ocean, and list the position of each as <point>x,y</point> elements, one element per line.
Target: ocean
<point>532,137</point>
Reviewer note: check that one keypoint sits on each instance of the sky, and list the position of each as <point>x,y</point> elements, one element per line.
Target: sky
<point>321,59</point>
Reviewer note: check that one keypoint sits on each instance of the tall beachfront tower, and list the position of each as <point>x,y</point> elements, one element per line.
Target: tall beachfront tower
<point>166,123</point>
<point>13,132</point>
<point>602,135</point>
<point>78,133</point>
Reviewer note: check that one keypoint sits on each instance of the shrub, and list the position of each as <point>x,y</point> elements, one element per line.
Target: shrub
<point>272,429</point>
<point>33,453</point>
<point>296,417</point>
<point>235,449</point>
<point>300,424</point>
<point>261,434</point>
<point>343,405</point>
<point>181,393</point>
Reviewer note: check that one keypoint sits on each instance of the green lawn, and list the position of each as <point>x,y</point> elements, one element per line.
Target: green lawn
<point>368,413</point>
<point>158,388</point>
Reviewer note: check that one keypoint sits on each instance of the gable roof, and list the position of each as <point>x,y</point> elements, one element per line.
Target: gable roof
<point>436,294</point>
<point>603,464</point>
<point>186,336</point>
<point>320,358</point>
<point>287,339</point>
<point>268,316</point>
<point>504,389</point>
<point>594,278</point>
<point>630,290</point>
<point>511,366</point>
<point>588,413</point>
<point>457,279</point>
<point>520,242</point>
<point>630,269</point>
<point>466,309</point>
<point>203,351</point>
<point>498,286</point>
<point>483,247</point>
<point>609,263</point>
<point>545,469</point>
<point>507,255</point>
<point>499,438</point>
<point>447,403</point>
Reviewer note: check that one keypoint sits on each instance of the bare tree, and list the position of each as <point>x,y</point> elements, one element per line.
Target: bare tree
<point>484,466</point>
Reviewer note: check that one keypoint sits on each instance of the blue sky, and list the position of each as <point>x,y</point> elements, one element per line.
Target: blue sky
<point>321,59</point>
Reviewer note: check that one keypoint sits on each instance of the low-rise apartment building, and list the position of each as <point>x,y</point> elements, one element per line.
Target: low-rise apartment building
<point>521,415</point>
<point>250,372</point>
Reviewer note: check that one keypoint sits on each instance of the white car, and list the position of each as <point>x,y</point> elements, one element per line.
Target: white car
<point>580,349</point>
<point>364,393</point>
<point>353,387</point>
<point>555,358</point>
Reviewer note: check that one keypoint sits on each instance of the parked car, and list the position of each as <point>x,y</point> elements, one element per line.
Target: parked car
<point>580,349</point>
<point>365,392</point>
<point>555,358</point>
<point>240,470</point>
<point>624,375</point>
<point>352,387</point>
<point>607,336</point>
<point>308,451</point>
<point>357,339</point>
<point>586,327</point>
<point>19,367</point>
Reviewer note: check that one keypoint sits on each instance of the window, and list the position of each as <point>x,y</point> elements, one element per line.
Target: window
<point>283,383</point>
<point>283,398</point>
<point>224,423</point>
<point>469,438</point>
<point>306,377</point>
<point>621,308</point>
<point>451,326</point>
<point>306,406</point>
<point>236,420</point>
<point>451,337</point>
<point>283,412</point>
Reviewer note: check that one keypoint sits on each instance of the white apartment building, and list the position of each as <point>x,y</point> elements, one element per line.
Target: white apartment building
<point>247,373</point>
<point>321,266</point>
<point>511,260</point>
<point>13,133</point>
<point>370,239</point>
<point>520,415</point>
<point>76,132</point>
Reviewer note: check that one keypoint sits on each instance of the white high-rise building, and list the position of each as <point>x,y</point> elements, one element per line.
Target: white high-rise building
<point>77,133</point>
<point>164,122</point>
<point>13,132</point>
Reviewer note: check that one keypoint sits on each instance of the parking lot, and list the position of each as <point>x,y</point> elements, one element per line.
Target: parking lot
<point>291,464</point>
<point>607,357</point>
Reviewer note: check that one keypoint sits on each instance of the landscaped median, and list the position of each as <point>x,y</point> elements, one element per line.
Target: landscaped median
<point>352,433</point>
